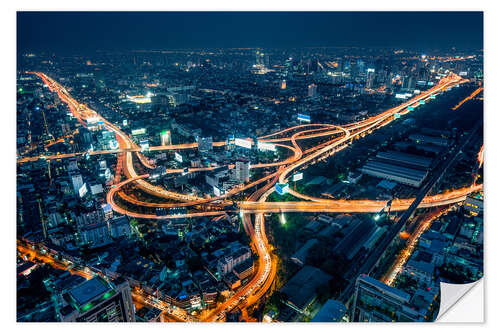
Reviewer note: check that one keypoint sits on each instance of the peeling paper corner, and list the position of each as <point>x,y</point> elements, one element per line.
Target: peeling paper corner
<point>462,303</point>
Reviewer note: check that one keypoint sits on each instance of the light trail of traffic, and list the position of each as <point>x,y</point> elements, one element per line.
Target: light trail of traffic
<point>393,272</point>
<point>264,277</point>
<point>471,96</point>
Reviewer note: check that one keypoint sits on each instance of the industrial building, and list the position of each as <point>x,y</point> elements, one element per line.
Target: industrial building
<point>438,141</point>
<point>331,311</point>
<point>302,289</point>
<point>356,234</point>
<point>403,159</point>
<point>300,256</point>
<point>403,175</point>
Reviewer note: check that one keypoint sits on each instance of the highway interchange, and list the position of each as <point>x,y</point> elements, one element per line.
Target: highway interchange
<point>338,137</point>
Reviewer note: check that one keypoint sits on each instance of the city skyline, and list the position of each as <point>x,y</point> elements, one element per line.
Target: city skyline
<point>261,184</point>
<point>119,31</point>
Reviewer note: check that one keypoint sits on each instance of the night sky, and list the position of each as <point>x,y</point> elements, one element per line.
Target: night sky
<point>82,32</point>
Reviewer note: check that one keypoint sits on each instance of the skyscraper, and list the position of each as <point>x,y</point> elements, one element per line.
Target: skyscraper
<point>97,300</point>
<point>370,78</point>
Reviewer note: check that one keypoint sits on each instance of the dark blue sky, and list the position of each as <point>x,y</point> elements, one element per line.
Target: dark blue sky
<point>79,32</point>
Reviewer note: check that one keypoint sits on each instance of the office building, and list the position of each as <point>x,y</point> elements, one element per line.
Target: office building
<point>95,235</point>
<point>76,180</point>
<point>228,262</point>
<point>370,78</point>
<point>375,301</point>
<point>242,171</point>
<point>119,227</point>
<point>97,300</point>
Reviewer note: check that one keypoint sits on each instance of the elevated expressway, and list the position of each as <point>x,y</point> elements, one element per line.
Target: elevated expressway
<point>257,205</point>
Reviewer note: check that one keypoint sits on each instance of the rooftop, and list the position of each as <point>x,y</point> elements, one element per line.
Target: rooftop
<point>89,290</point>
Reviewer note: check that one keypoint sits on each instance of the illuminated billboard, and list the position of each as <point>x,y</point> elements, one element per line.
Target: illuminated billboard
<point>266,146</point>
<point>178,157</point>
<point>144,145</point>
<point>125,122</point>
<point>463,73</point>
<point>303,117</point>
<point>139,131</point>
<point>92,120</point>
<point>282,188</point>
<point>298,176</point>
<point>401,96</point>
<point>243,143</point>
<point>421,101</point>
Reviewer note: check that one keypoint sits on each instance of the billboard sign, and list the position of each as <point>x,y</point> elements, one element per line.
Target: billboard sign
<point>298,176</point>
<point>178,157</point>
<point>243,143</point>
<point>303,117</point>
<point>92,120</point>
<point>266,146</point>
<point>282,188</point>
<point>139,131</point>
<point>144,145</point>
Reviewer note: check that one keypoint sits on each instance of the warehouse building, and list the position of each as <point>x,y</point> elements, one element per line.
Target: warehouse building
<point>403,159</point>
<point>400,174</point>
<point>438,141</point>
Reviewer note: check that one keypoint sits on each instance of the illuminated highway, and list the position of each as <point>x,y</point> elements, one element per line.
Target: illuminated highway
<point>256,204</point>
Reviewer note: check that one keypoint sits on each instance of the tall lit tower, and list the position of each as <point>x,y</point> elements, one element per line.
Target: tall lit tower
<point>370,77</point>
<point>166,138</point>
